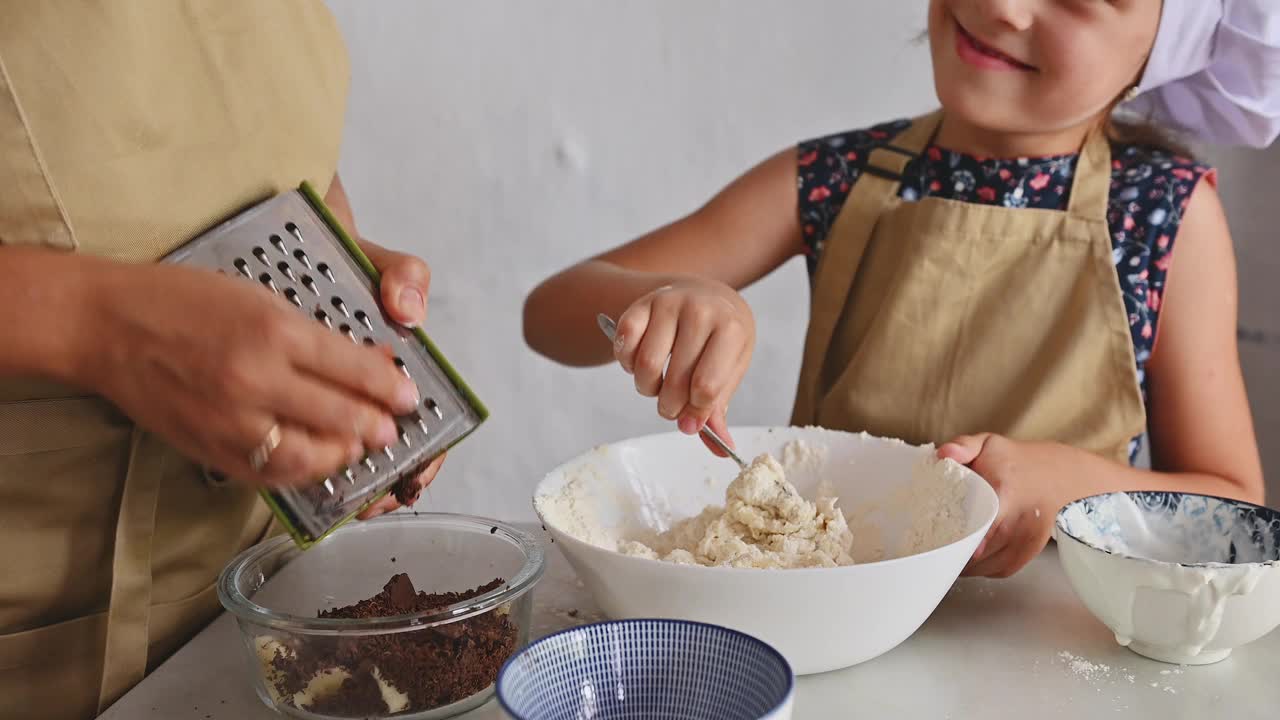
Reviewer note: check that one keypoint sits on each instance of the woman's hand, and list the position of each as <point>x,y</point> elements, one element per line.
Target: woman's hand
<point>405,281</point>
<point>217,363</point>
<point>688,344</point>
<point>1026,478</point>
<point>403,288</point>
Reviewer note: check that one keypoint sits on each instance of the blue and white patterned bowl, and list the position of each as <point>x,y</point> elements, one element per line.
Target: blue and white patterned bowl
<point>1175,527</point>
<point>1177,577</point>
<point>650,669</point>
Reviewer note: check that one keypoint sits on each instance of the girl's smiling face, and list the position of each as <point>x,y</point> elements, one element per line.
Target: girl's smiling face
<point>1037,66</point>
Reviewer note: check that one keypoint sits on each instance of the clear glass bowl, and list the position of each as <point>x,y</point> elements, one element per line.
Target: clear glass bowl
<point>432,664</point>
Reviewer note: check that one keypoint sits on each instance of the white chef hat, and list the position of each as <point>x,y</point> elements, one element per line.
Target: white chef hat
<point>1215,71</point>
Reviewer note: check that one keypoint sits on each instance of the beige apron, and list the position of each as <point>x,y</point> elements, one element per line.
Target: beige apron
<point>125,129</point>
<point>936,318</point>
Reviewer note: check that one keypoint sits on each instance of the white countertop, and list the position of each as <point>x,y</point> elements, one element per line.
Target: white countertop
<point>993,649</point>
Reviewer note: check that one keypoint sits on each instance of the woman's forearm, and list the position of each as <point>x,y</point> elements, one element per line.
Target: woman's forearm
<point>45,299</point>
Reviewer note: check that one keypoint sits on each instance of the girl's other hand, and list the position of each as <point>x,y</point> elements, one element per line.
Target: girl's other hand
<point>1024,476</point>
<point>689,345</point>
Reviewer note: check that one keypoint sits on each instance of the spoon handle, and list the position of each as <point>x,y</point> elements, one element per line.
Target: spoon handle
<point>610,330</point>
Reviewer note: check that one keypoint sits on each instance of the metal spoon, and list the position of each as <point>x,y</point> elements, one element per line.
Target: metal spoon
<point>610,330</point>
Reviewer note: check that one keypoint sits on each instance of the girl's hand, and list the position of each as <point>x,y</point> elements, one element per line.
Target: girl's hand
<point>702,333</point>
<point>1025,478</point>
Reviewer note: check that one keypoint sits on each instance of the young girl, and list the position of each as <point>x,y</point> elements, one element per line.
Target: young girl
<point>1006,309</point>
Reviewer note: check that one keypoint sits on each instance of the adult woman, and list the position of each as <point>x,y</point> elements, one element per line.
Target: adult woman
<point>124,132</point>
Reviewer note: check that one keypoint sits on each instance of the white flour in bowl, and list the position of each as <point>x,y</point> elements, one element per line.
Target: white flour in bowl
<point>766,523</point>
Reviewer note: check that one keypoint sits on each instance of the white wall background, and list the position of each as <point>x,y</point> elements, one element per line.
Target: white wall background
<point>1248,184</point>
<point>503,140</point>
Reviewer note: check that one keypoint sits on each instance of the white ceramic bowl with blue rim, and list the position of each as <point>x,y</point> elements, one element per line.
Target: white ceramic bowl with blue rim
<point>651,669</point>
<point>1178,577</point>
<point>820,619</point>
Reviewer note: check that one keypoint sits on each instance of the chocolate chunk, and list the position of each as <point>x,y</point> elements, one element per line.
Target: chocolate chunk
<point>407,490</point>
<point>399,590</point>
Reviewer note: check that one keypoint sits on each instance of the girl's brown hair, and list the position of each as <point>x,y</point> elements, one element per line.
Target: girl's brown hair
<point>1130,129</point>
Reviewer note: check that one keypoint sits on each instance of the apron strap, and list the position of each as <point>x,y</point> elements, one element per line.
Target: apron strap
<point>128,616</point>
<point>875,189</point>
<point>914,139</point>
<point>1091,186</point>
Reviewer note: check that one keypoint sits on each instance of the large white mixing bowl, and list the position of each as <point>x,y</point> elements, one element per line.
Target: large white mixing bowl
<point>821,619</point>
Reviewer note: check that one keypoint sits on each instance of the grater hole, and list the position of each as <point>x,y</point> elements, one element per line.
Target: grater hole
<point>310,284</point>
<point>278,242</point>
<point>302,257</point>
<point>402,366</point>
<point>434,408</point>
<point>326,271</point>
<point>293,230</point>
<point>261,255</point>
<point>243,266</point>
<point>265,279</point>
<point>323,317</point>
<point>363,317</point>
<point>340,306</point>
<point>346,330</point>
<point>293,296</point>
<point>369,341</point>
<point>285,270</point>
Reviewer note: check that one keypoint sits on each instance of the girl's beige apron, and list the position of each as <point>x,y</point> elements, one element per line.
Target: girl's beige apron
<point>125,130</point>
<point>937,318</point>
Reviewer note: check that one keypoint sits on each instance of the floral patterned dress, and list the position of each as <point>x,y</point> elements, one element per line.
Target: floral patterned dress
<point>1150,189</point>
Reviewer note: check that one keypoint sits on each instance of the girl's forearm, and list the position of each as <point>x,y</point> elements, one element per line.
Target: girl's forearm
<point>560,314</point>
<point>1089,474</point>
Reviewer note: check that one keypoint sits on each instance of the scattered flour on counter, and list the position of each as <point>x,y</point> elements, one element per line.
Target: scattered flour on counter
<point>1096,672</point>
<point>1084,668</point>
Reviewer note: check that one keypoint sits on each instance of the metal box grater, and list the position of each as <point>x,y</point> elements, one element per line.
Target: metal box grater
<point>293,246</point>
